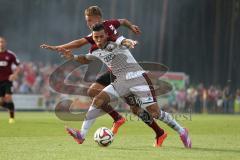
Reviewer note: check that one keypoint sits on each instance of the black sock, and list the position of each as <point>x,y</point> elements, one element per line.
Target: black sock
<point>1,102</point>
<point>147,119</point>
<point>114,114</point>
<point>10,106</point>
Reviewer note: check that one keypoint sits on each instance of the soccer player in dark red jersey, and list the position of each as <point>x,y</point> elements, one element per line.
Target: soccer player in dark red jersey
<point>7,60</point>
<point>93,15</point>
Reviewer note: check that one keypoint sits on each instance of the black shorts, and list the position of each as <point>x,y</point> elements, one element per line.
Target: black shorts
<point>106,78</point>
<point>5,88</point>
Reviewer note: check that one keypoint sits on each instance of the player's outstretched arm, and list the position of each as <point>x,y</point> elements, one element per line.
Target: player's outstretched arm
<point>79,58</point>
<point>74,44</point>
<point>67,54</point>
<point>53,48</point>
<point>135,29</point>
<point>68,46</point>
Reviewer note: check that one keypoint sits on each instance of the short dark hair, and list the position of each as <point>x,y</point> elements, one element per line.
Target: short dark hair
<point>98,27</point>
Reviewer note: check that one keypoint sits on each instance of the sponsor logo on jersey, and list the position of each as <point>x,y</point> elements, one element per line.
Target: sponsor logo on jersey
<point>109,57</point>
<point>3,63</point>
<point>113,29</point>
<point>111,46</point>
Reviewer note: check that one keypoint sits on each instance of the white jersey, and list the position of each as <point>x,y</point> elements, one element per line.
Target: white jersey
<point>119,59</point>
<point>130,76</point>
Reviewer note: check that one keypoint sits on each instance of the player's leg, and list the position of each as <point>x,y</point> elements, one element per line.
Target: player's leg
<point>101,82</point>
<point>171,122</point>
<point>7,101</point>
<point>146,94</point>
<point>94,90</point>
<point>2,94</point>
<point>94,111</point>
<point>99,102</point>
<point>165,117</point>
<point>1,101</point>
<point>80,135</point>
<point>132,101</point>
<point>146,117</point>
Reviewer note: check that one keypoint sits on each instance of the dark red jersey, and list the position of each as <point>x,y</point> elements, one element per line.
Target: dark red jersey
<point>110,26</point>
<point>95,47</point>
<point>7,59</point>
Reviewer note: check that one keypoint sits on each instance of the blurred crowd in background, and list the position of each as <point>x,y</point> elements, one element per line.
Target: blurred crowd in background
<point>34,79</point>
<point>210,99</point>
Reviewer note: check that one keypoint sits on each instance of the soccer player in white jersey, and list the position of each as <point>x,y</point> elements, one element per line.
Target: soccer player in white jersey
<point>130,79</point>
<point>93,15</point>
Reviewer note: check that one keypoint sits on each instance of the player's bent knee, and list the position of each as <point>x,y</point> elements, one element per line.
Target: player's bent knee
<point>154,110</point>
<point>91,92</point>
<point>155,115</point>
<point>135,110</point>
<point>99,102</point>
<point>94,89</point>
<point>101,99</point>
<point>7,98</point>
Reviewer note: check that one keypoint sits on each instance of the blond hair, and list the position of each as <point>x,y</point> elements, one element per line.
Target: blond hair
<point>93,11</point>
<point>2,38</point>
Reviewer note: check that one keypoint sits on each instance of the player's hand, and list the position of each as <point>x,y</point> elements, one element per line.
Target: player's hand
<point>129,43</point>
<point>12,77</point>
<point>135,29</point>
<point>54,48</point>
<point>67,54</point>
<point>64,52</point>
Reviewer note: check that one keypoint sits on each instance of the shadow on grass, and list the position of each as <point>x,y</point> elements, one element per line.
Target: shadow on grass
<point>203,149</point>
<point>216,150</point>
<point>146,148</point>
<point>150,149</point>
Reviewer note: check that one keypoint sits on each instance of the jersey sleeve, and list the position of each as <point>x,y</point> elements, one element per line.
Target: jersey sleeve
<point>119,40</point>
<point>115,23</point>
<point>14,58</point>
<point>89,39</point>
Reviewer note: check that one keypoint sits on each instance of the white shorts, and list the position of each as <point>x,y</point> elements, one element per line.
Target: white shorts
<point>142,91</point>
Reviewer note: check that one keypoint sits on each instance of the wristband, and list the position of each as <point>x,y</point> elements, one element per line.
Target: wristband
<point>119,40</point>
<point>75,57</point>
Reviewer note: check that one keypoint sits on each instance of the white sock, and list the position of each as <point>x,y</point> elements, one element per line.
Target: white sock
<point>168,119</point>
<point>86,126</point>
<point>91,116</point>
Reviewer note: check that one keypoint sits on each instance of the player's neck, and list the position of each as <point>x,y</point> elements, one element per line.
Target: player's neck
<point>105,45</point>
<point>2,50</point>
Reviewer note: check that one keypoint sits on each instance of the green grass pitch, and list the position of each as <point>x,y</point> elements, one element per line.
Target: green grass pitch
<point>41,136</point>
